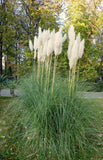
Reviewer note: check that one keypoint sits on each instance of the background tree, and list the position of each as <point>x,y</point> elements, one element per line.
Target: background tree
<point>86,17</point>
<point>2,12</point>
<point>21,20</point>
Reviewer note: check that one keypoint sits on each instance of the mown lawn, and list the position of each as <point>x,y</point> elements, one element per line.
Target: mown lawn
<point>4,124</point>
<point>98,102</point>
<point>10,149</point>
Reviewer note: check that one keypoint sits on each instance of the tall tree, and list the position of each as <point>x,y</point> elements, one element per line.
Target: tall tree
<point>2,8</point>
<point>21,20</point>
<point>87,18</point>
<point>0,52</point>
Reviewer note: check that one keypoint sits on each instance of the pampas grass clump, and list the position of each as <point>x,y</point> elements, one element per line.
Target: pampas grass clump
<point>53,120</point>
<point>60,124</point>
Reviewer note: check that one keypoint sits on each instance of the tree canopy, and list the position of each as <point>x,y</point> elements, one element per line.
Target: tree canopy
<point>20,20</point>
<point>87,18</point>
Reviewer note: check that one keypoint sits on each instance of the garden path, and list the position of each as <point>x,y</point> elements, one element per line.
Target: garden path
<point>92,94</point>
<point>6,92</point>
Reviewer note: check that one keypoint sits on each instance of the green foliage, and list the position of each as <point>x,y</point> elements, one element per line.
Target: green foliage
<point>21,21</point>
<point>58,125</point>
<point>88,72</point>
<point>12,84</point>
<point>87,19</point>
<point>97,87</point>
<point>88,86</point>
<point>11,147</point>
<point>2,80</point>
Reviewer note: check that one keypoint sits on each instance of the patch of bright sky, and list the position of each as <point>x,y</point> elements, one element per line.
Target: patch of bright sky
<point>101,6</point>
<point>62,16</point>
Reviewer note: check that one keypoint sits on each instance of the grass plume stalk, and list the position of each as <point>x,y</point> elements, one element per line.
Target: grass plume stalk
<point>75,52</point>
<point>46,43</point>
<point>48,71</point>
<point>54,73</point>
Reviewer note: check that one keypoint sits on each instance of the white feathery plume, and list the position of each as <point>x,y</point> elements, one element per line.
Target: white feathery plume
<point>30,45</point>
<point>75,50</point>
<point>48,34</point>
<point>81,48</point>
<point>39,43</point>
<point>71,34</point>
<point>48,30</point>
<point>78,44</point>
<point>50,47</point>
<point>40,31</point>
<point>44,37</point>
<point>35,43</point>
<point>43,53</point>
<point>78,39</point>
<point>45,50</point>
<point>71,63</point>
<point>75,47</point>
<point>74,57</point>
<point>40,38</point>
<point>34,54</point>
<point>39,53</point>
<point>52,37</point>
<point>64,38</point>
<point>35,46</point>
<point>58,43</point>
<point>69,52</point>
<point>52,34</point>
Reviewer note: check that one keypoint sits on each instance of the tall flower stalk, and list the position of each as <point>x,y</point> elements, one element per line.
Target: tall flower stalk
<point>48,43</point>
<point>75,52</point>
<point>54,72</point>
<point>45,45</point>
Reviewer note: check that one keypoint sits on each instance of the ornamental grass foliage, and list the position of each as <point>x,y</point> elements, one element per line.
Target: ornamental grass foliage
<point>54,121</point>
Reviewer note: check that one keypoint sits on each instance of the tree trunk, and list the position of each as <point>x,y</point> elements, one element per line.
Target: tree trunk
<point>100,68</point>
<point>3,6</point>
<point>0,53</point>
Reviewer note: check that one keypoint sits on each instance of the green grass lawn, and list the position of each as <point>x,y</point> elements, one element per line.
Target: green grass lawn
<point>10,148</point>
<point>99,104</point>
<point>4,123</point>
